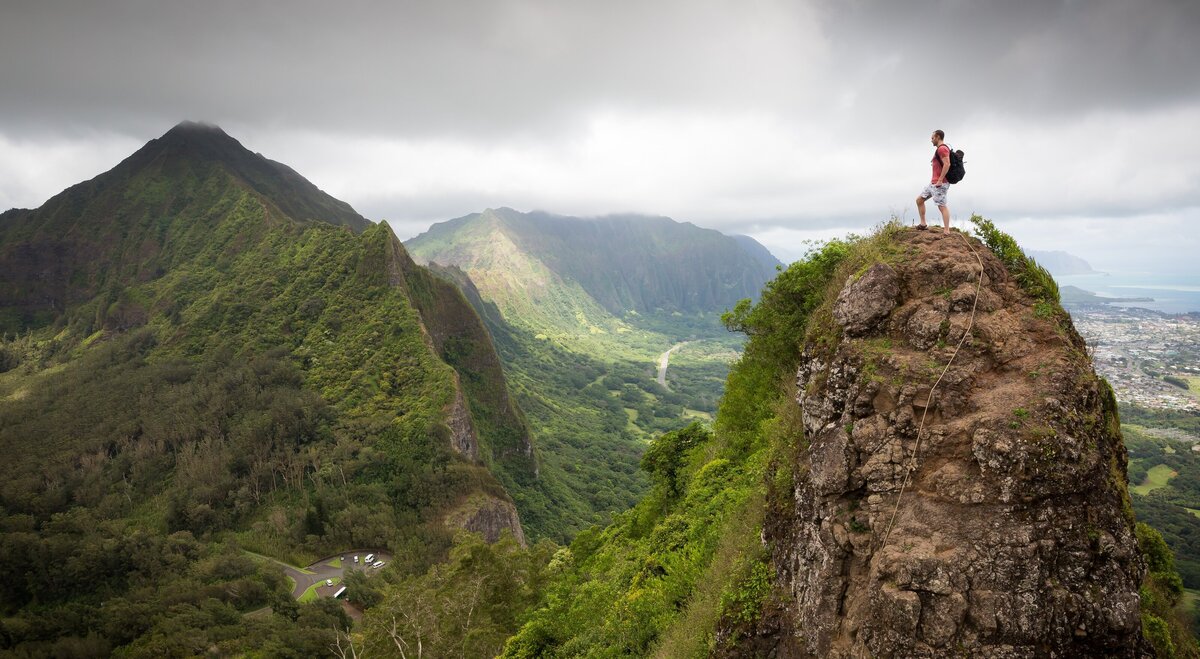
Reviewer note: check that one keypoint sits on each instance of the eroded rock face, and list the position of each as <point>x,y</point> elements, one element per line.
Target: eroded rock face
<point>462,430</point>
<point>487,516</point>
<point>867,300</point>
<point>1013,536</point>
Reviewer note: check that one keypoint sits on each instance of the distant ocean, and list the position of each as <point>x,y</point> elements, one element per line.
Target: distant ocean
<point>1171,293</point>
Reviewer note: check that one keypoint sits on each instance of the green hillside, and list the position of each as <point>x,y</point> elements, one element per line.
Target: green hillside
<point>198,360</point>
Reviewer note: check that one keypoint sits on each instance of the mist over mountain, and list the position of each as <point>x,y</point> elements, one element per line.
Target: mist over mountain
<point>583,312</point>
<point>757,250</point>
<point>1062,263</point>
<point>209,367</point>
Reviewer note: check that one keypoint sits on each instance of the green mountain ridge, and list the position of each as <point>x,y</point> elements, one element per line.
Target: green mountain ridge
<point>624,262</point>
<point>195,365</point>
<point>111,230</point>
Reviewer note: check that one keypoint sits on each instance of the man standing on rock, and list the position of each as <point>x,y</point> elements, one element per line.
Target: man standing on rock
<point>938,186</point>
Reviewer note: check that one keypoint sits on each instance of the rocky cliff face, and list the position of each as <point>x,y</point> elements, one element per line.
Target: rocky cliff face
<point>488,516</point>
<point>1013,536</point>
<point>462,431</point>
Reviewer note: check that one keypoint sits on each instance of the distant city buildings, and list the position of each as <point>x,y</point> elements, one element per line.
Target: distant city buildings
<point>1134,349</point>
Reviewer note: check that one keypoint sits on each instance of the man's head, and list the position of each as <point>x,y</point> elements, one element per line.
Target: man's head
<point>937,138</point>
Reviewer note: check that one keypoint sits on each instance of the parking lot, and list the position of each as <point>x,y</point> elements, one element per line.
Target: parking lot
<point>312,581</point>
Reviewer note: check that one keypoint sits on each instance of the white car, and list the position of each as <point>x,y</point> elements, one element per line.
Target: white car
<point>329,582</point>
<point>378,564</point>
<point>369,558</point>
<point>355,559</point>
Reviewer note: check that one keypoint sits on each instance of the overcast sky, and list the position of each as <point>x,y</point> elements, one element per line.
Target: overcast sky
<point>785,120</point>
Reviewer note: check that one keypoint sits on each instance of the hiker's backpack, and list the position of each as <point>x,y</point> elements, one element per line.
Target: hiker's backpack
<point>957,171</point>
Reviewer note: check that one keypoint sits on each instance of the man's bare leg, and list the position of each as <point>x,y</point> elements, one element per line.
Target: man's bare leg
<point>921,209</point>
<point>945,217</point>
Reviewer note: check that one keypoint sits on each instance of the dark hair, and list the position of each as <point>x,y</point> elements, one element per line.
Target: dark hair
<point>940,134</point>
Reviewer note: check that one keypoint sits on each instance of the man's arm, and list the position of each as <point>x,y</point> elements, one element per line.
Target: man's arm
<point>945,166</point>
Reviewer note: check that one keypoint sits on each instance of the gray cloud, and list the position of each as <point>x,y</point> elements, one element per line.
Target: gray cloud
<point>512,67</point>
<point>770,116</point>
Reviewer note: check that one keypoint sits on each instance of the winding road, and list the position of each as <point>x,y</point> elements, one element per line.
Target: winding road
<point>662,363</point>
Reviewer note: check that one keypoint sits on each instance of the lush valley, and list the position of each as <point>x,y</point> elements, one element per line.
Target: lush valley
<point>1165,475</point>
<point>581,311</point>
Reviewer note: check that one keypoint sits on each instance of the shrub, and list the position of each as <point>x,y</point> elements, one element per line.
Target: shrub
<point>1033,278</point>
<point>664,458</point>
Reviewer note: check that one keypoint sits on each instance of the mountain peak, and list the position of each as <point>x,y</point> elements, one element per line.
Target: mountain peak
<point>191,144</point>
<point>195,127</point>
<point>195,139</point>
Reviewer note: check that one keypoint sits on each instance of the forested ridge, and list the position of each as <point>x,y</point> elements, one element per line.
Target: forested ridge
<point>202,374</point>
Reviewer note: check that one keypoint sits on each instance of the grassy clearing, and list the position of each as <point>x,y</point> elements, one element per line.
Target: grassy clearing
<point>337,562</point>
<point>1193,511</point>
<point>1158,476</point>
<point>1193,384</point>
<point>261,614</point>
<point>273,560</point>
<point>310,593</point>
<point>256,544</point>
<point>1190,597</point>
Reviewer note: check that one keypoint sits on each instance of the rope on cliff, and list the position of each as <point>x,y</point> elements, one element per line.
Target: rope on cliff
<point>912,463</point>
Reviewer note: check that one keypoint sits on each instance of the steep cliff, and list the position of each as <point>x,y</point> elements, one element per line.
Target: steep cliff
<point>984,516</point>
<point>771,533</point>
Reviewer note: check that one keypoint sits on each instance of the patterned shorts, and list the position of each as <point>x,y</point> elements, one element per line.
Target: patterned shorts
<point>938,192</point>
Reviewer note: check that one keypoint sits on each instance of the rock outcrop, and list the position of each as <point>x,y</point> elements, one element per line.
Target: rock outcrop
<point>1013,536</point>
<point>487,516</point>
<point>462,431</point>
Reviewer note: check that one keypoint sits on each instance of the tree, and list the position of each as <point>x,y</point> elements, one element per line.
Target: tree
<point>664,458</point>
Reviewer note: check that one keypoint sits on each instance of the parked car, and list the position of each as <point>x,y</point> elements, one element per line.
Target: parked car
<point>378,564</point>
<point>370,557</point>
<point>355,559</point>
<point>329,582</point>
